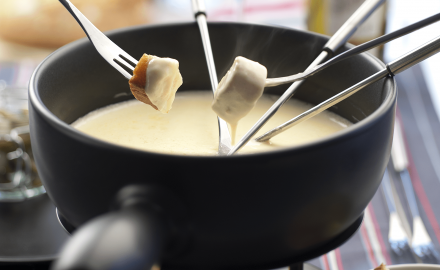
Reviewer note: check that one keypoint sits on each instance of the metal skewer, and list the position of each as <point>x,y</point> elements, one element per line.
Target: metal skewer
<point>337,40</point>
<point>393,68</point>
<point>200,14</point>
<point>354,51</point>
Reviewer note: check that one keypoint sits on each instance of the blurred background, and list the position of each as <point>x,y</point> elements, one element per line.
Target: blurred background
<point>32,29</point>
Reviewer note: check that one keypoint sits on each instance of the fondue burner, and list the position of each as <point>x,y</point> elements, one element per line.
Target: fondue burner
<point>331,245</point>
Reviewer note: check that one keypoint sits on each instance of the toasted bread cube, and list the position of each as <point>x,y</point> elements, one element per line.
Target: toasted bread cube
<point>155,81</point>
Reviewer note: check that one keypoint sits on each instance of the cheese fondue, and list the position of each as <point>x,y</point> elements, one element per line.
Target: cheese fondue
<point>190,128</point>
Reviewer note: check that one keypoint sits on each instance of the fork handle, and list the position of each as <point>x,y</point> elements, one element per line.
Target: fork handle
<point>200,15</point>
<point>198,7</point>
<point>415,56</point>
<point>396,66</point>
<point>389,197</point>
<point>351,25</point>
<point>410,194</point>
<point>75,13</point>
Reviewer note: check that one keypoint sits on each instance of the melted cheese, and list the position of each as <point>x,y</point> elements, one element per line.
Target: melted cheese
<point>238,91</point>
<point>190,128</point>
<point>163,80</point>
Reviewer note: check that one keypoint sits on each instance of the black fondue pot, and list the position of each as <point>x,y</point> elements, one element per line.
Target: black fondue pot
<point>135,208</point>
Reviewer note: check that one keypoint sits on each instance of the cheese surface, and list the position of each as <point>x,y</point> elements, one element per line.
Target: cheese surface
<point>163,80</point>
<point>190,128</point>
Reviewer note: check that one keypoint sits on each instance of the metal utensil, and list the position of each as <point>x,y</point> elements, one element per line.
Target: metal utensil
<point>354,51</point>
<point>337,40</point>
<point>114,55</point>
<point>393,68</point>
<point>397,236</point>
<point>421,243</point>
<point>200,14</point>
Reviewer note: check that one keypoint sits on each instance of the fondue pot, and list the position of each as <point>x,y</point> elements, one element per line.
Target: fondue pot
<point>135,208</point>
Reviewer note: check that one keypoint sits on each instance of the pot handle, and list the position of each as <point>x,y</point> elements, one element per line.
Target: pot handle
<point>134,237</point>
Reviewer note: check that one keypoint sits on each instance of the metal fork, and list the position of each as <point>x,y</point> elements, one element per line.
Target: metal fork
<point>114,55</point>
<point>125,64</point>
<point>225,140</point>
<point>421,243</point>
<point>397,236</point>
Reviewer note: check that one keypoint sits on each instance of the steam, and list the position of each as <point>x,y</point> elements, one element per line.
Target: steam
<point>267,46</point>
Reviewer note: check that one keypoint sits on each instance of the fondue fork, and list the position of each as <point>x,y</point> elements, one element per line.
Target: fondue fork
<point>393,68</point>
<point>397,236</point>
<point>336,41</point>
<point>421,243</point>
<point>125,63</point>
<point>354,51</point>
<point>225,142</point>
<point>112,53</point>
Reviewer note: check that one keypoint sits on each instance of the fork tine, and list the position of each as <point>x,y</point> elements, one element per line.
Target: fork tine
<point>126,64</point>
<point>108,50</point>
<point>130,60</point>
<point>421,242</point>
<point>127,68</point>
<point>122,67</point>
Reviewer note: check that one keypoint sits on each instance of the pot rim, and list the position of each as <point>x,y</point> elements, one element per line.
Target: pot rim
<point>66,129</point>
